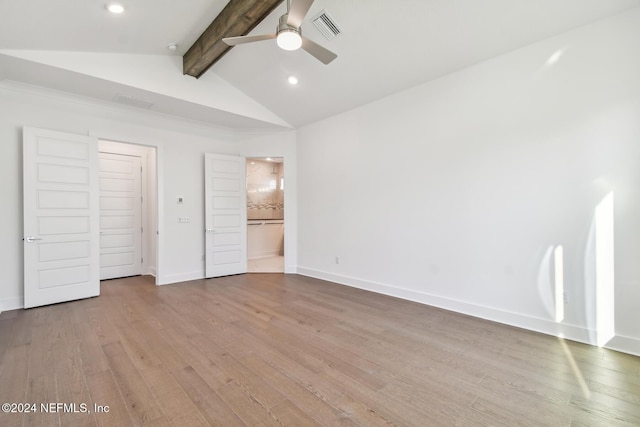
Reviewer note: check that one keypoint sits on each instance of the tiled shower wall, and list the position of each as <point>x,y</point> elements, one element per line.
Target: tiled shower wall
<point>265,194</point>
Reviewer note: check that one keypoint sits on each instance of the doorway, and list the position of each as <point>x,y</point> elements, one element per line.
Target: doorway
<point>265,215</point>
<point>128,209</point>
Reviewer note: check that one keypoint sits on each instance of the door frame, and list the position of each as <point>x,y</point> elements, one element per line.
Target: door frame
<point>281,148</point>
<point>284,200</point>
<point>153,161</point>
<point>144,153</point>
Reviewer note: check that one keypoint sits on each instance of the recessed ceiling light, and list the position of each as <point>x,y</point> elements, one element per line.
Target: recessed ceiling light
<point>293,80</point>
<point>115,8</point>
<point>172,47</point>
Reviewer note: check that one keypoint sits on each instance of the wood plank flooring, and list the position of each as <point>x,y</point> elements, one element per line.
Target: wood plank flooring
<point>273,350</point>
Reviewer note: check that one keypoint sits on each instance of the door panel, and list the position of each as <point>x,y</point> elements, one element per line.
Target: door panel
<point>120,216</point>
<point>63,250</point>
<point>225,215</point>
<point>61,207</point>
<point>62,199</point>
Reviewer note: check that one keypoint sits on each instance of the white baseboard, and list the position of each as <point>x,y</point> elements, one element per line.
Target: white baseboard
<point>624,344</point>
<point>549,327</point>
<point>8,304</point>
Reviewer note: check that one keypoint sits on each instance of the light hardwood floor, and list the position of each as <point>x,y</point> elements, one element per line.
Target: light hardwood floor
<point>273,264</point>
<point>270,349</point>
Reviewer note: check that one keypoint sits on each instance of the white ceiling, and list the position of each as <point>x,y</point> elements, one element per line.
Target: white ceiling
<point>147,27</point>
<point>385,46</point>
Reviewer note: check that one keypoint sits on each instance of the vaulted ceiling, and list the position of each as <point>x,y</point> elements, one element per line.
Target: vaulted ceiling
<point>237,18</point>
<point>384,47</point>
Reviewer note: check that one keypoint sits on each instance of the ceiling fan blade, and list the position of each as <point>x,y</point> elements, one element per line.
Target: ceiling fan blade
<point>232,41</point>
<point>297,11</point>
<point>320,53</point>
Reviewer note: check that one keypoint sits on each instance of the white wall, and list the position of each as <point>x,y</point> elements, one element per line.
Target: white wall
<point>453,193</point>
<point>180,146</point>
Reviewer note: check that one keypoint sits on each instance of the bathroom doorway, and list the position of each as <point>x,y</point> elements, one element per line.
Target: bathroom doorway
<point>265,215</point>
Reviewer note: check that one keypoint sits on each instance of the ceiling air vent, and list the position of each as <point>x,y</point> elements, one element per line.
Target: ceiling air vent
<point>326,25</point>
<point>133,102</point>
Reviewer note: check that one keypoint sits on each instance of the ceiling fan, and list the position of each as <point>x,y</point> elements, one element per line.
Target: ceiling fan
<point>288,35</point>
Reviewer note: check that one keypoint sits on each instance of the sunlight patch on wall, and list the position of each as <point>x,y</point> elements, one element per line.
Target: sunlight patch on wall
<point>545,285</point>
<point>558,272</point>
<point>605,310</point>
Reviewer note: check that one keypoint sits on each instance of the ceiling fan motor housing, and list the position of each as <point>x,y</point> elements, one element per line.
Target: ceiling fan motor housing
<point>283,26</point>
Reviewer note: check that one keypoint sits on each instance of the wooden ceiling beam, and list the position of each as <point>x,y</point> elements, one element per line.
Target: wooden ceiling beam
<point>238,18</point>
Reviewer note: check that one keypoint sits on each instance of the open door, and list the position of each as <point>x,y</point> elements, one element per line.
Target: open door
<point>225,215</point>
<point>61,217</point>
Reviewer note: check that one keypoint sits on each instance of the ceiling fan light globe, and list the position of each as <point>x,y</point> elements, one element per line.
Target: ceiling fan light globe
<point>289,40</point>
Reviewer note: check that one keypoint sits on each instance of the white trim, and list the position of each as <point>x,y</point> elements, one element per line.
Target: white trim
<point>110,137</point>
<point>624,345</point>
<point>549,327</point>
<point>145,153</point>
<point>290,202</point>
<point>160,243</point>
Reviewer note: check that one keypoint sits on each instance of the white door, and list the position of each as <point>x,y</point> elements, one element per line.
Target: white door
<point>225,215</point>
<point>61,208</point>
<point>120,216</point>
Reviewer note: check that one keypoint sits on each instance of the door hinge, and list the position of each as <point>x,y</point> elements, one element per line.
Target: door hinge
<point>141,260</point>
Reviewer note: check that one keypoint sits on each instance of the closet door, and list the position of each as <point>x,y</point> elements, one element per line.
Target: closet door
<point>61,217</point>
<point>120,216</point>
<point>225,215</point>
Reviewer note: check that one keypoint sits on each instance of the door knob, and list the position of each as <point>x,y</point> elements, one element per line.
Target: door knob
<point>32,239</point>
